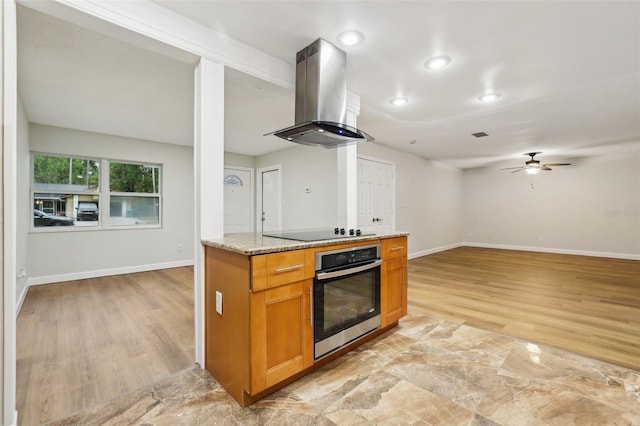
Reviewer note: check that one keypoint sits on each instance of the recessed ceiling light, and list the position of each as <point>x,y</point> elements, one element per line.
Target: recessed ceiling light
<point>399,101</point>
<point>437,62</point>
<point>480,134</point>
<point>350,38</point>
<point>489,97</point>
<point>412,141</point>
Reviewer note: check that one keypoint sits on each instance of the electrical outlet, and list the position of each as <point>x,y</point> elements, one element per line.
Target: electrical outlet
<point>219,302</point>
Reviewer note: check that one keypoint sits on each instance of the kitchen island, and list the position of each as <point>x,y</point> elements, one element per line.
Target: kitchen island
<point>259,306</point>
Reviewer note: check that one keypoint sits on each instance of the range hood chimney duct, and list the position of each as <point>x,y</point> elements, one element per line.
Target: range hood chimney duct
<point>321,99</point>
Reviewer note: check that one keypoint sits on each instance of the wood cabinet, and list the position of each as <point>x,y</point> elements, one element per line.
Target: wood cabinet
<point>281,329</point>
<point>263,338</point>
<point>393,294</point>
<point>281,334</point>
<point>264,334</point>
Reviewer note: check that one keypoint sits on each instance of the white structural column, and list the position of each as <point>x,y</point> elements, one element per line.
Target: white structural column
<point>9,197</point>
<point>348,171</point>
<point>208,157</point>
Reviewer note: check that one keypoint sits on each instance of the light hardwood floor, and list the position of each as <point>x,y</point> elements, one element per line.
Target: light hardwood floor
<point>82,343</point>
<point>587,305</point>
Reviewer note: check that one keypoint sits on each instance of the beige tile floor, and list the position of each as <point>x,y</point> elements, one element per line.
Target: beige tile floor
<point>426,371</point>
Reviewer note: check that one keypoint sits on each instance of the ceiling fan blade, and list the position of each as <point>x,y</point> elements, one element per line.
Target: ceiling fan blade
<point>545,167</point>
<point>521,168</point>
<point>556,164</point>
<point>511,168</point>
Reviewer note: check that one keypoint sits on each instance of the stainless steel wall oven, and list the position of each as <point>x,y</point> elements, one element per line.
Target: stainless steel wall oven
<point>346,302</point>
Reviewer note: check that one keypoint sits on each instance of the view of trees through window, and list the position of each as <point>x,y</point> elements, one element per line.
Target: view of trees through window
<point>66,170</point>
<point>124,177</point>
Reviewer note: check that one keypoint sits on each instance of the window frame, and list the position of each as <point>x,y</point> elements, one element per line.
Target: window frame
<point>103,195</point>
<point>157,195</point>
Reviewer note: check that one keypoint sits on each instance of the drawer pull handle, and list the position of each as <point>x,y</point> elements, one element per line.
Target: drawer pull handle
<point>288,268</point>
<point>397,248</point>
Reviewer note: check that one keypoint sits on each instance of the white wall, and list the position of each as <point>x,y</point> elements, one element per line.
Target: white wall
<point>23,221</point>
<point>428,199</point>
<point>306,167</point>
<point>70,255</point>
<point>239,160</point>
<point>591,207</point>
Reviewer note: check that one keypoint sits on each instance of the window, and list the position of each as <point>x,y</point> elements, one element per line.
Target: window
<point>60,185</point>
<point>74,192</point>
<point>134,194</point>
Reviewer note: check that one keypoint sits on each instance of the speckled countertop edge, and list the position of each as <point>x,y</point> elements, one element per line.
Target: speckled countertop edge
<point>254,243</point>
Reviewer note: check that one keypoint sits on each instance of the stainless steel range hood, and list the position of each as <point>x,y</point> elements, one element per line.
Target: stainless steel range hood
<point>321,99</point>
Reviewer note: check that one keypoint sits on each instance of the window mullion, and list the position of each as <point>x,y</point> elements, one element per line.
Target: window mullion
<point>105,195</point>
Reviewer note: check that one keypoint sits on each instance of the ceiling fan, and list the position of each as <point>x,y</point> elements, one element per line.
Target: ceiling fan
<point>533,166</point>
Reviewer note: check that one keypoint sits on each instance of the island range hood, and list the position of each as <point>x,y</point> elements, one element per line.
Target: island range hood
<point>321,99</point>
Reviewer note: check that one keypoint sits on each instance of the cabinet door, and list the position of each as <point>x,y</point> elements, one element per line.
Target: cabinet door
<point>281,334</point>
<point>393,292</point>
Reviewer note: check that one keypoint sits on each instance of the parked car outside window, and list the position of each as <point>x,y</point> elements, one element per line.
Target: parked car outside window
<point>41,218</point>
<point>87,211</point>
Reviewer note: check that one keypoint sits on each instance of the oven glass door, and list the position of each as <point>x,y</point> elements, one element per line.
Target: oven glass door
<point>343,299</point>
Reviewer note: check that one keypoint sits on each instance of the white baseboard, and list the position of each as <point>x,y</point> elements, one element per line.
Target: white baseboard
<point>434,250</point>
<point>106,272</point>
<point>23,295</point>
<point>625,256</point>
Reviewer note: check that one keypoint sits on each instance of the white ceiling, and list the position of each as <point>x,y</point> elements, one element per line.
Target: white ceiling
<point>568,72</point>
<point>72,77</point>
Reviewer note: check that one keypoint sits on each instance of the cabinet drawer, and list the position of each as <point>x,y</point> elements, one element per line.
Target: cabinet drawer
<point>276,269</point>
<point>394,247</point>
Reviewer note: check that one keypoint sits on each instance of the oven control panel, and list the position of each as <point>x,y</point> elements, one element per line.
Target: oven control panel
<point>345,257</point>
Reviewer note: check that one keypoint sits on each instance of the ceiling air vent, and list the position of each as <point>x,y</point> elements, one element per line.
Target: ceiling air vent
<point>479,134</point>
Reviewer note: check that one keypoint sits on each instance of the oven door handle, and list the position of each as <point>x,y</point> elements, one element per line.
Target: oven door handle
<point>327,275</point>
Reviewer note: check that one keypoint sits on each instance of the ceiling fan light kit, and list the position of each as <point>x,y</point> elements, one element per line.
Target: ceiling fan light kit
<point>533,166</point>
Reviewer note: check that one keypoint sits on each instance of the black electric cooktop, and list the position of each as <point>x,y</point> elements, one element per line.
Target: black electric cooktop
<point>317,235</point>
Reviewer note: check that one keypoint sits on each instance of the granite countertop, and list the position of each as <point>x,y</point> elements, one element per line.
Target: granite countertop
<point>255,243</point>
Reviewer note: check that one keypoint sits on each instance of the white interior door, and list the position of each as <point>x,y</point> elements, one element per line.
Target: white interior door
<point>376,196</point>
<point>238,200</point>
<point>269,199</point>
